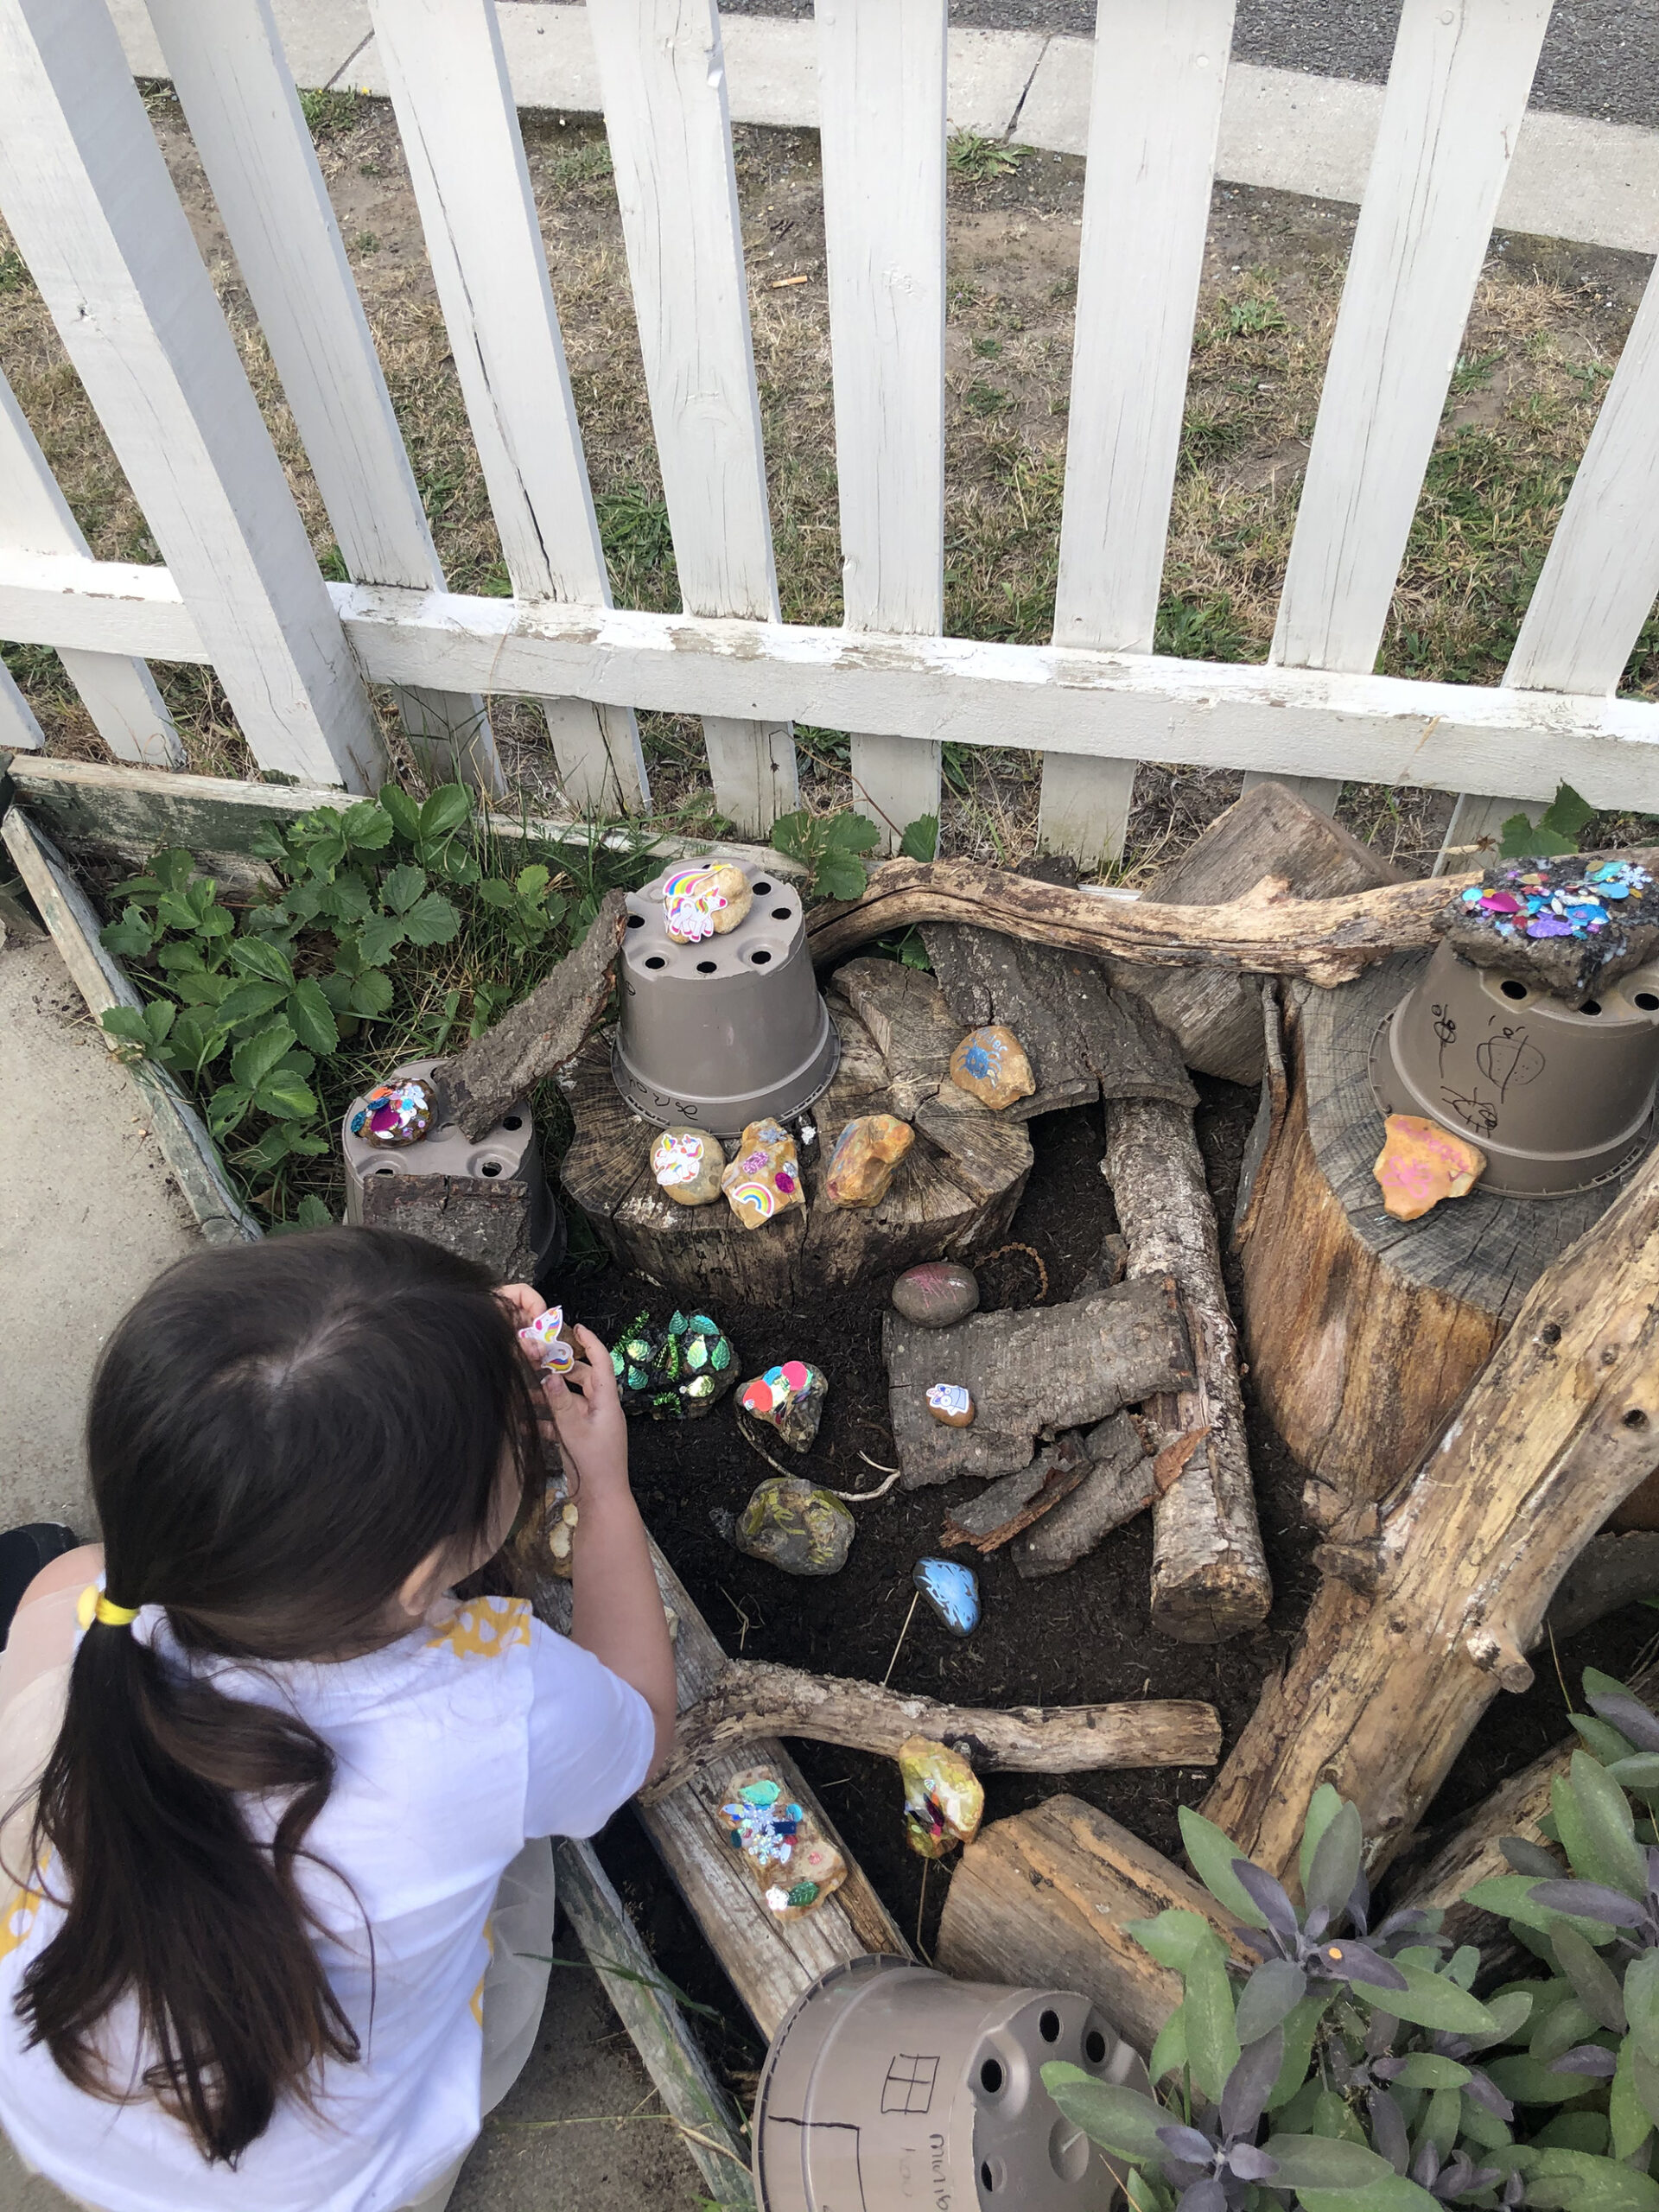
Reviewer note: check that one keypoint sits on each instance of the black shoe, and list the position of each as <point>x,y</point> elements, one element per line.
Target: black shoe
<point>23,1553</point>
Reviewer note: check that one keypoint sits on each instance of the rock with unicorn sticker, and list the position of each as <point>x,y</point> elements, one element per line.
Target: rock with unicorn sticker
<point>764,1179</point>
<point>686,1166</point>
<point>789,1398</point>
<point>793,1867</point>
<point>546,1344</point>
<point>952,1403</point>
<point>991,1065</point>
<point>706,901</point>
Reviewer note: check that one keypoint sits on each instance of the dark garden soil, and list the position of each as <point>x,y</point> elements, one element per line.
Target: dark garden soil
<point>1082,1636</point>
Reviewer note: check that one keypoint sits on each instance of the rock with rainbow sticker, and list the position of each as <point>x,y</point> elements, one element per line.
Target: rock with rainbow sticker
<point>789,1398</point>
<point>704,902</point>
<point>764,1179</point>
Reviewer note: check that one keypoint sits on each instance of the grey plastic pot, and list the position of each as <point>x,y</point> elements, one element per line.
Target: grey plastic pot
<point>509,1153</point>
<point>889,2086</point>
<point>721,1033</point>
<point>1558,1097</point>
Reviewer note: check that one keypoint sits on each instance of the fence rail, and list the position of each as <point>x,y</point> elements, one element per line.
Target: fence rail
<point>88,196</point>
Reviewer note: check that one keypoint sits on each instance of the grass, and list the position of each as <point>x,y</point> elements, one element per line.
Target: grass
<point>1531,372</point>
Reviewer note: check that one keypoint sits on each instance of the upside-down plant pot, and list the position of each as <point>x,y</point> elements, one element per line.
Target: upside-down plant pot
<point>727,1031</point>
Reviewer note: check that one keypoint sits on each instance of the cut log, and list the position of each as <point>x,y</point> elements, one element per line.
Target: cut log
<point>1265,933</point>
<point>996,1516</point>
<point>1042,1901</point>
<point>1118,1486</point>
<point>539,1035</point>
<point>1048,1367</point>
<point>1396,1665</point>
<point>1216,1017</point>
<point>953,1193</point>
<point>750,1699</point>
<point>1362,1331</point>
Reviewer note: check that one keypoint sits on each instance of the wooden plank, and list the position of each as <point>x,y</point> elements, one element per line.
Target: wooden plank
<point>881,72</point>
<point>448,79</point>
<point>1160,67</point>
<point>119,694</point>
<point>1476,825</point>
<point>102,982</point>
<point>86,193</point>
<point>232,79</point>
<point>17,724</point>
<point>1456,98</point>
<point>972,691</point>
<point>663,78</point>
<point>1322,791</point>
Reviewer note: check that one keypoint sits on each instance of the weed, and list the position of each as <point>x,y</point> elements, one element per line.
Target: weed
<point>829,847</point>
<point>1560,829</point>
<point>633,530</point>
<point>985,400</point>
<point>584,163</point>
<point>1473,371</point>
<point>14,272</point>
<point>1253,315</point>
<point>365,242</point>
<point>977,159</point>
<point>329,114</point>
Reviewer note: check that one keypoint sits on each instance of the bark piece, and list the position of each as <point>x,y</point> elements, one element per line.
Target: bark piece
<point>1386,1684</point>
<point>749,1698</point>
<point>1118,1486</point>
<point>1004,1508</point>
<point>1042,1901</point>
<point>1048,1367</point>
<point>1363,1332</point>
<point>539,1035</point>
<point>485,1221</point>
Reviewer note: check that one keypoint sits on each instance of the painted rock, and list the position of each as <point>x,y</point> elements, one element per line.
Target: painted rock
<point>951,1403</point>
<point>992,1065</point>
<point>795,1869</point>
<point>791,1398</point>
<point>944,1801</point>
<point>546,1344</point>
<point>936,1294</point>
<point>688,1165</point>
<point>952,1590</point>
<point>700,902</point>
<point>765,1179</point>
<point>866,1152</point>
<point>796,1526</point>
<point>394,1113</point>
<point>673,1373</point>
<point>1420,1163</point>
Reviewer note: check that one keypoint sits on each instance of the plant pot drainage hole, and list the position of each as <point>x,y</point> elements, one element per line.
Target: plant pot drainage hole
<point>491,1167</point>
<point>656,960</point>
<point>781,914</point>
<point>707,968</point>
<point>635,921</point>
<point>513,1121</point>
<point>761,959</point>
<point>1049,2026</point>
<point>1591,1006</point>
<point>1068,2151</point>
<point>1648,1000</point>
<point>1094,2047</point>
<point>762,890</point>
<point>1511,989</point>
<point>990,2076</point>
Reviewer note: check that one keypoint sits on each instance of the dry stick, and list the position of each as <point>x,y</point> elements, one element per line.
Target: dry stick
<point>755,1444</point>
<point>984,1259</point>
<point>916,1598</point>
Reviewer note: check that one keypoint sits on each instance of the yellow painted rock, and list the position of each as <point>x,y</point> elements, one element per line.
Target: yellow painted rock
<point>992,1065</point>
<point>944,1801</point>
<point>1420,1163</point>
<point>700,902</point>
<point>765,1179</point>
<point>688,1165</point>
<point>866,1152</point>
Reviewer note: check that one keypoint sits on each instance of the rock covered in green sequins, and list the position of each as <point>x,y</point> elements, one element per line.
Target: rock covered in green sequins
<point>676,1370</point>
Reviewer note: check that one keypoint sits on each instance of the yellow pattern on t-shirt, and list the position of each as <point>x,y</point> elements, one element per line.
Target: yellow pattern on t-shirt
<point>484,1628</point>
<point>17,1921</point>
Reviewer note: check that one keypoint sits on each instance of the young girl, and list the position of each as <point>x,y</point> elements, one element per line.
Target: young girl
<point>268,1945</point>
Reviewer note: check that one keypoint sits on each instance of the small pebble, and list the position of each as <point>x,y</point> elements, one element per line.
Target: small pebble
<point>936,1294</point>
<point>952,1404</point>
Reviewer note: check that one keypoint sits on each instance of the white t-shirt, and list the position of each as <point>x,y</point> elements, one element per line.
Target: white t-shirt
<point>453,1748</point>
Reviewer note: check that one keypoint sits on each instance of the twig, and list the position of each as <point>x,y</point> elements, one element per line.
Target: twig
<point>1036,1259</point>
<point>864,1496</point>
<point>921,1907</point>
<point>756,1445</point>
<point>880,1468</point>
<point>902,1633</point>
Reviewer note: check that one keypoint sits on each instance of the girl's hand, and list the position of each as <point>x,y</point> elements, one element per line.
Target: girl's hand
<point>522,1303</point>
<point>588,1416</point>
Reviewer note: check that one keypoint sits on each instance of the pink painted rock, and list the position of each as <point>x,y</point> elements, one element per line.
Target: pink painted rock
<point>1420,1163</point>
<point>991,1063</point>
<point>866,1152</point>
<point>765,1179</point>
<point>936,1295</point>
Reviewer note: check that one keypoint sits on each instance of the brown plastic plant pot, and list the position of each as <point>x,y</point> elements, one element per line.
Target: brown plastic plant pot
<point>889,2086</point>
<point>1558,1097</point>
<point>509,1153</point>
<point>725,1032</point>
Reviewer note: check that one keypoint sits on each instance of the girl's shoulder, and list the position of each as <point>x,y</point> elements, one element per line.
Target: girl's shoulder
<point>483,1628</point>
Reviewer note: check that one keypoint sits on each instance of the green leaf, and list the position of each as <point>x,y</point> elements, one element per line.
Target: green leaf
<point>1526,2081</point>
<point>172,868</point>
<point>1568,814</point>
<point>431,920</point>
<point>1334,1867</point>
<point>1644,2079</point>
<point>1510,2009</point>
<point>313,1018</point>
<point>1639,1771</point>
<point>1477,2125</point>
<point>372,993</point>
<point>449,807</point>
<point>324,854</point>
<point>401,886</point>
<point>254,1059</point>
<point>1169,2052</point>
<point>287,1097</point>
<point>1582,2184</point>
<point>1324,2162</point>
<point>1592,1978</point>
<point>1175,1937</point>
<point>347,900</point>
<point>839,875</point>
<point>1269,1999</point>
<point>790,834</point>
<point>1429,2001</point>
<point>126,1022</point>
<point>249,1001</point>
<point>530,882</point>
<point>1299,2031</point>
<point>378,939</point>
<point>1598,1827</point>
<point>203,986</point>
<point>1628,2118</point>
<point>311,1213</point>
<point>1121,2120</point>
<point>368,826</point>
<point>850,833</point>
<point>268,844</point>
<point>1641,1994</point>
<point>1438,2124</point>
<point>1211,2034</point>
<point>495,892</point>
<point>1602,1741</point>
<point>215,922</point>
<point>1322,1809</point>
<point>1575,2131</point>
<point>1520,840</point>
<point>1427,2069</point>
<point>130,937</point>
<point>921,839</point>
<point>1558,2028</point>
<point>226,1107</point>
<point>1510,1896</point>
<point>405,815</point>
<point>1212,1854</point>
<point>1394,2193</point>
<point>256,956</point>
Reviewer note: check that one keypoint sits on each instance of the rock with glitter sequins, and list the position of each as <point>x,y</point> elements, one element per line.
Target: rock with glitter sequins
<point>789,1398</point>
<point>764,1178</point>
<point>394,1113</point>
<point>673,1371</point>
<point>793,1866</point>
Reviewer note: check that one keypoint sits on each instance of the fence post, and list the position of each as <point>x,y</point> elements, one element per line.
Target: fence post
<point>89,201</point>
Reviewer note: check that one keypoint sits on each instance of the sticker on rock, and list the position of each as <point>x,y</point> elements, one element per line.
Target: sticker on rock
<point>952,1590</point>
<point>545,1342</point>
<point>950,1403</point>
<point>765,1179</point>
<point>792,1865</point>
<point>704,902</point>
<point>687,1165</point>
<point>393,1113</point>
<point>791,1399</point>
<point>674,1372</point>
<point>944,1800</point>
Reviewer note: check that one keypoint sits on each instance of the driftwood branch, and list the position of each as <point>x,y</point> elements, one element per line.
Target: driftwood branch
<point>751,1699</point>
<point>1388,1678</point>
<point>1268,932</point>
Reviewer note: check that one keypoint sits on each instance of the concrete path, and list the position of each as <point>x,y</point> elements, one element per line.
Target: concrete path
<point>88,1217</point>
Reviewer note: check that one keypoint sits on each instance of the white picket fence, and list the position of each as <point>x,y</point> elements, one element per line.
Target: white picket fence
<point>88,196</point>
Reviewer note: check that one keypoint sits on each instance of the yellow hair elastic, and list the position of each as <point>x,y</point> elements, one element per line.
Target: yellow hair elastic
<point>114,1616</point>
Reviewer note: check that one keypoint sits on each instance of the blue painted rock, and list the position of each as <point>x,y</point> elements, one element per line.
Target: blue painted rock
<point>991,1065</point>
<point>952,1590</point>
<point>936,1295</point>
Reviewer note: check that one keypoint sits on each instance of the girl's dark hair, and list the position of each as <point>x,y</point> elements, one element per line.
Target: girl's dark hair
<point>279,1434</point>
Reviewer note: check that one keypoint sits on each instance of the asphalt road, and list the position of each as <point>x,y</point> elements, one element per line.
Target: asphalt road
<point>1600,58</point>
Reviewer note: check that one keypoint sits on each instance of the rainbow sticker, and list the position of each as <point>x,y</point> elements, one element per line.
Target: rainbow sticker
<point>759,1196</point>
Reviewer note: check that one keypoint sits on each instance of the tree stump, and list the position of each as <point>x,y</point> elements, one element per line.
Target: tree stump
<point>1363,1332</point>
<point>953,1195</point>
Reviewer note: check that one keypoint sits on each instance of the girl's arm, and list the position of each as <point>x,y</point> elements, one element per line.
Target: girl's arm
<point>618,1606</point>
